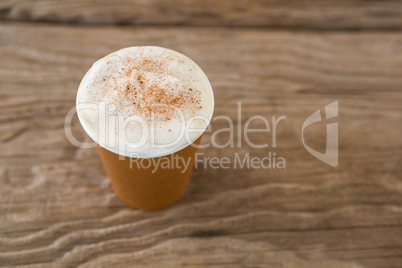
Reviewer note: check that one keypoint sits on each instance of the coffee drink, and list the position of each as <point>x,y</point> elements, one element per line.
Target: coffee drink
<point>146,105</point>
<point>153,100</point>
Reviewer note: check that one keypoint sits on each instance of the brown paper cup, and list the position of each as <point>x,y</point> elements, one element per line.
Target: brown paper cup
<point>142,183</point>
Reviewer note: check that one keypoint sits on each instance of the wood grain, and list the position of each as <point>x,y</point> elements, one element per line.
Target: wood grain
<point>57,208</point>
<point>312,14</point>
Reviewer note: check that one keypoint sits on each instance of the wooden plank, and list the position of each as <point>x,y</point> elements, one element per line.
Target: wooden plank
<point>333,14</point>
<point>56,204</point>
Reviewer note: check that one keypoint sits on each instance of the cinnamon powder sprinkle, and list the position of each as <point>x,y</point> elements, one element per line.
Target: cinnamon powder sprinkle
<point>148,89</point>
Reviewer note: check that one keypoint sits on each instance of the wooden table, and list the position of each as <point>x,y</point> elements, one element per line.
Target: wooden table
<point>57,208</point>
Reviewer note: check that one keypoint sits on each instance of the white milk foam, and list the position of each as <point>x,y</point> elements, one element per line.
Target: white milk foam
<point>145,101</point>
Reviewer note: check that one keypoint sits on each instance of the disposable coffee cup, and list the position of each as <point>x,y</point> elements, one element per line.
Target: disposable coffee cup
<point>141,184</point>
<point>135,80</point>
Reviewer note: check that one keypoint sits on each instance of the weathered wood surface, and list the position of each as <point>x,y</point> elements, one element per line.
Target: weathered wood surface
<point>57,207</point>
<point>332,14</point>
